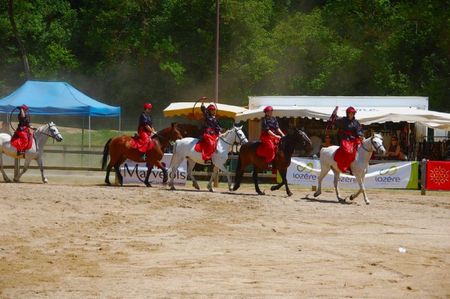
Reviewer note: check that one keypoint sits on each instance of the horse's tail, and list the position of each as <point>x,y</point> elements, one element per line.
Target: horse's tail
<point>105,153</point>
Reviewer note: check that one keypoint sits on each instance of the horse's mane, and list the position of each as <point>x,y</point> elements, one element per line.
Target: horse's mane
<point>164,130</point>
<point>187,130</point>
<point>378,135</point>
<point>288,142</point>
<point>42,128</point>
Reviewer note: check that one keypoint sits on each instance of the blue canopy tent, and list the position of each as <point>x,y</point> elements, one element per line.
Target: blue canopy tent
<point>57,98</point>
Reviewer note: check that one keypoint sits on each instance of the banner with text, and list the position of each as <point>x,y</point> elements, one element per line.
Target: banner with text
<point>134,172</point>
<point>393,175</point>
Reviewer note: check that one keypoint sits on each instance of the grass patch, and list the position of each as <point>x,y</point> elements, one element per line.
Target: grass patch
<point>98,137</point>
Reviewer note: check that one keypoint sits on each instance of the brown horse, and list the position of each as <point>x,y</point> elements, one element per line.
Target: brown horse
<point>119,149</point>
<point>247,156</point>
<point>188,130</point>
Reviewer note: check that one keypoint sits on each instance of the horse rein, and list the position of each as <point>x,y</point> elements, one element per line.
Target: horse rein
<point>42,132</point>
<point>373,146</point>
<point>236,136</point>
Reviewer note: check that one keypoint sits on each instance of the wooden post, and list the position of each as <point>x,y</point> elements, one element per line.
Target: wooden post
<point>423,176</point>
<point>216,93</point>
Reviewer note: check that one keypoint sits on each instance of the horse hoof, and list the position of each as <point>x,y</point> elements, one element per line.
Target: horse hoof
<point>196,186</point>
<point>273,188</point>
<point>367,202</point>
<point>341,200</point>
<point>172,188</point>
<point>148,185</point>
<point>45,181</point>
<point>235,187</point>
<point>317,193</point>
<point>351,197</point>
<point>211,190</point>
<point>289,193</point>
<point>261,193</point>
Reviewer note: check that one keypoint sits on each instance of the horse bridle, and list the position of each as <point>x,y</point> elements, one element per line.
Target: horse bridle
<point>43,133</point>
<point>374,145</point>
<point>303,134</point>
<point>49,135</point>
<point>236,136</point>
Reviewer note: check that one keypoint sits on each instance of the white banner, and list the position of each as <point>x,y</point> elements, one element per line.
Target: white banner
<point>394,175</point>
<point>134,172</point>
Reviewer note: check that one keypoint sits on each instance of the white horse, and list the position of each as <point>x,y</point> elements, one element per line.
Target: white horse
<point>185,148</point>
<point>358,166</point>
<point>34,153</point>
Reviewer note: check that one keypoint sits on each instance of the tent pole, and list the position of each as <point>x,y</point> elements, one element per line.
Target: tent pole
<point>89,139</point>
<point>120,122</point>
<point>82,134</point>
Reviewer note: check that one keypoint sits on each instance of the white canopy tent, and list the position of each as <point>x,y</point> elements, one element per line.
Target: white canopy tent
<point>370,110</point>
<point>365,115</point>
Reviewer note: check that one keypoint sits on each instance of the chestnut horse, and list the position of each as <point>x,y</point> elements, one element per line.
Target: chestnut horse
<point>247,156</point>
<point>119,150</point>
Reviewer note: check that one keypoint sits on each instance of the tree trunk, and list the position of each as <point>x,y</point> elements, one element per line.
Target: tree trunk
<point>20,45</point>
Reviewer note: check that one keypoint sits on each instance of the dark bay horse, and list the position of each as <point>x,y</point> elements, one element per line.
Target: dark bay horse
<point>247,156</point>
<point>119,150</point>
<point>188,130</point>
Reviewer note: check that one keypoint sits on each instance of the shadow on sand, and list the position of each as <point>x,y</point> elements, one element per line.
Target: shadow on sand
<point>312,199</point>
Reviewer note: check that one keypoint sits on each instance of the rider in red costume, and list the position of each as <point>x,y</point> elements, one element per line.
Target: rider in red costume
<point>22,139</point>
<point>351,134</point>
<point>145,132</point>
<point>270,136</point>
<point>211,131</point>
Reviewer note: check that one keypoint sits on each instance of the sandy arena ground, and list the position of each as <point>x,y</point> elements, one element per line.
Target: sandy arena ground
<point>75,238</point>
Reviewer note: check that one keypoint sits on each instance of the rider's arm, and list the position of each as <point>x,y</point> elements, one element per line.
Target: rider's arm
<point>277,128</point>
<point>203,108</point>
<point>359,130</point>
<point>22,113</point>
<point>146,120</point>
<point>273,134</point>
<point>338,123</point>
<point>149,128</point>
<point>280,132</point>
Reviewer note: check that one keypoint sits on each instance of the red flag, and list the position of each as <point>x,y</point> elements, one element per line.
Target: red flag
<point>332,119</point>
<point>438,175</point>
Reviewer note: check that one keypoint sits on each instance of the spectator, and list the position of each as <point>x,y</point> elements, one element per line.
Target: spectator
<point>394,152</point>
<point>327,141</point>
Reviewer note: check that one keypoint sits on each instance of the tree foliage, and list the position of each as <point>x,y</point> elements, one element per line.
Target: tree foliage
<point>128,51</point>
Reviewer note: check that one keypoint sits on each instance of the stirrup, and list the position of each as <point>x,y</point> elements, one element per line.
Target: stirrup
<point>208,162</point>
<point>144,157</point>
